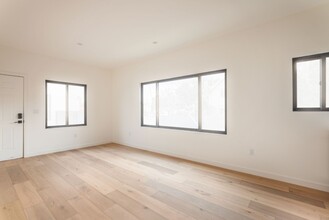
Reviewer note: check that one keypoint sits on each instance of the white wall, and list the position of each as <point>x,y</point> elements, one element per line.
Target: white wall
<point>289,146</point>
<point>36,69</point>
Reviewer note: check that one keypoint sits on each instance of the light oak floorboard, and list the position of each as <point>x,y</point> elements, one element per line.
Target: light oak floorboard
<point>38,212</point>
<point>117,182</point>
<point>27,194</point>
<point>16,174</point>
<point>57,205</point>
<point>86,209</point>
<point>98,199</point>
<point>116,212</point>
<point>12,211</point>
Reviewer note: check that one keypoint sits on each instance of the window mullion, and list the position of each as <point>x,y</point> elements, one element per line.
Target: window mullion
<point>157,104</point>
<point>323,83</point>
<point>295,107</point>
<point>199,103</point>
<point>142,105</point>
<point>67,105</point>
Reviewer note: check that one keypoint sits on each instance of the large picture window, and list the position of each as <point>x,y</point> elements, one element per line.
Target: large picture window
<point>65,104</point>
<point>310,82</point>
<point>195,102</point>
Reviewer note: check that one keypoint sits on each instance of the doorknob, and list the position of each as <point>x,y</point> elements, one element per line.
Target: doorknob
<point>19,122</point>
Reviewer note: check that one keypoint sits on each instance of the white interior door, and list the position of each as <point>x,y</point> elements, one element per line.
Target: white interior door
<point>11,123</point>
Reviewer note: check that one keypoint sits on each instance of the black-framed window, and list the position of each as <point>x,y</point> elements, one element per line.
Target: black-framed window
<point>66,104</point>
<point>195,102</point>
<point>309,83</point>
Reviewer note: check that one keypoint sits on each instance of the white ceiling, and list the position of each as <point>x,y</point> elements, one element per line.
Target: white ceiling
<point>115,32</point>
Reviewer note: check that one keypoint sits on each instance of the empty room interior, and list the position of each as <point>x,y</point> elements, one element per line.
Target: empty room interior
<point>154,109</point>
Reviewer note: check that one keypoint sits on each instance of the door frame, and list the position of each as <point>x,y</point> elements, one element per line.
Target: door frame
<point>11,74</point>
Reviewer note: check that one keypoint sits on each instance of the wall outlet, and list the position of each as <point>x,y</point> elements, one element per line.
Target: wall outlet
<point>251,152</point>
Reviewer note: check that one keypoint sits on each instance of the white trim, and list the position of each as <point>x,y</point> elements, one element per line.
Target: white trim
<point>9,73</point>
<point>66,148</point>
<point>274,176</point>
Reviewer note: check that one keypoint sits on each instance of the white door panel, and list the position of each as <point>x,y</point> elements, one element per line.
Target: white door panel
<point>11,103</point>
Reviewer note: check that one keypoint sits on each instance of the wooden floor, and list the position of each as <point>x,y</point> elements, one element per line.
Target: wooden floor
<point>116,182</point>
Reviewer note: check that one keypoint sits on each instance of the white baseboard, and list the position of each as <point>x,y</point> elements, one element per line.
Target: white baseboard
<point>64,148</point>
<point>292,180</point>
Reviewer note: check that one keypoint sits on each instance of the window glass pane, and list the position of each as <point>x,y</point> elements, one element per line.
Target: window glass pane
<point>149,104</point>
<point>327,82</point>
<point>178,103</point>
<point>56,104</point>
<point>308,84</point>
<point>76,105</point>
<point>213,102</point>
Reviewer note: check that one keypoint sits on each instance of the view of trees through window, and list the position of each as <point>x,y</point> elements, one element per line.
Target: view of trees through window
<point>66,104</point>
<point>196,102</point>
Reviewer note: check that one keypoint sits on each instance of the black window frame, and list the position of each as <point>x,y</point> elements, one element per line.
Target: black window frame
<point>322,57</point>
<point>198,75</point>
<point>67,84</point>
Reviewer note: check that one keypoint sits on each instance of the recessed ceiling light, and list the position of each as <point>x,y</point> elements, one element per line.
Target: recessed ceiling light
<point>80,44</point>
